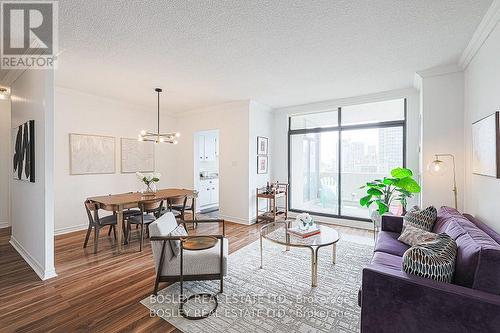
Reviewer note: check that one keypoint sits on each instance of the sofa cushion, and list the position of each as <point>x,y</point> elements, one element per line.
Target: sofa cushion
<point>484,227</point>
<point>387,260</point>
<point>433,260</point>
<point>413,236</point>
<point>478,257</point>
<point>423,219</point>
<point>388,242</point>
<point>445,216</point>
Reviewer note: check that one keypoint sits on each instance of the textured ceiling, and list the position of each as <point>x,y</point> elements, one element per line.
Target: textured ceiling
<point>276,52</point>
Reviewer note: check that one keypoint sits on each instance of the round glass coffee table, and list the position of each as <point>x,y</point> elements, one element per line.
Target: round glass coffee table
<point>277,232</point>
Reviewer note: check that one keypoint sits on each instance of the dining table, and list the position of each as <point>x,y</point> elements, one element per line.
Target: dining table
<point>117,203</point>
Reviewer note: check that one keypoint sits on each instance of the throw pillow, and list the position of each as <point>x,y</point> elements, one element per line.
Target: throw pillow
<point>414,236</point>
<point>423,219</point>
<point>175,245</point>
<point>433,260</point>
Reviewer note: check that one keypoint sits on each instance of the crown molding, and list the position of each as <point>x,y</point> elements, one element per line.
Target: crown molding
<point>484,29</point>
<point>439,70</point>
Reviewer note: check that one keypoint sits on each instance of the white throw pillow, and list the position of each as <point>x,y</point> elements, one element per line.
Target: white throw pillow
<point>175,245</point>
<point>415,236</point>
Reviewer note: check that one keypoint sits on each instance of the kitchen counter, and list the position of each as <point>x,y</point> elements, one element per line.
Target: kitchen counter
<point>209,177</point>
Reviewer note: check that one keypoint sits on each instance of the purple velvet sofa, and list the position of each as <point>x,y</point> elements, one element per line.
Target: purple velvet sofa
<point>393,301</point>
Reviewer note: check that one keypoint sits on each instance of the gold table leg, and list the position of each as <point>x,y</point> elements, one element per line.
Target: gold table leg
<point>260,252</point>
<point>334,253</point>
<point>314,267</point>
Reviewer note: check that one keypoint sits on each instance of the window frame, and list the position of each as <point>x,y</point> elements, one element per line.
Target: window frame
<point>340,128</point>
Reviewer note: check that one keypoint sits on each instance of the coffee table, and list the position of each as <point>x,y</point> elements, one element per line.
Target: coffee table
<point>277,232</point>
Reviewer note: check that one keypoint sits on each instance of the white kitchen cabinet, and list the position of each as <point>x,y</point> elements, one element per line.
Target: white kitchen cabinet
<point>207,147</point>
<point>204,196</point>
<point>209,193</point>
<point>201,147</point>
<point>210,142</point>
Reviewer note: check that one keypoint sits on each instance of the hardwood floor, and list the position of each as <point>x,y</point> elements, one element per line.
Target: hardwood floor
<point>93,293</point>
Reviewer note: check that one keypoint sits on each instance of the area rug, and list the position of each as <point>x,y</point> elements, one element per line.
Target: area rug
<point>279,297</point>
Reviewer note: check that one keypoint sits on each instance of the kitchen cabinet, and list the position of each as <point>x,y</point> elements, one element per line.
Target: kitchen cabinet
<point>208,148</point>
<point>209,193</point>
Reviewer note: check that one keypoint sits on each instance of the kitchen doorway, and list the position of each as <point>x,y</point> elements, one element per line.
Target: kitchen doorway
<point>206,171</point>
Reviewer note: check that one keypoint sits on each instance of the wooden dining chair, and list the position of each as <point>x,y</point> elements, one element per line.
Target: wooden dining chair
<point>97,222</point>
<point>177,205</point>
<point>150,211</point>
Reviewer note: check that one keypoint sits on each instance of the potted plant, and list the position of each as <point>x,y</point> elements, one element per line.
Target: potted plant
<point>383,192</point>
<point>149,180</point>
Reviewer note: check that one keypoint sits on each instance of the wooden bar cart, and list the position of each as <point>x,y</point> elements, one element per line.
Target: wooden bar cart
<point>272,193</point>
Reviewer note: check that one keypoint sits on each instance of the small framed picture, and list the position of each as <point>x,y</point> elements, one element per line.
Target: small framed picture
<point>262,164</point>
<point>262,145</point>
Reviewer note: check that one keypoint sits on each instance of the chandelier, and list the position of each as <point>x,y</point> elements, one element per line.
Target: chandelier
<point>158,137</point>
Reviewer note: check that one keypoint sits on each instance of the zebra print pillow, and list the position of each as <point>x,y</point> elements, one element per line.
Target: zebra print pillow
<point>433,260</point>
<point>423,219</point>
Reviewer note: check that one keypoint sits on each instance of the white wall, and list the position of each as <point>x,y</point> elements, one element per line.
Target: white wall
<point>5,162</point>
<point>32,204</point>
<point>280,129</point>
<point>77,112</point>
<point>232,121</point>
<point>442,133</point>
<point>260,124</point>
<point>482,98</point>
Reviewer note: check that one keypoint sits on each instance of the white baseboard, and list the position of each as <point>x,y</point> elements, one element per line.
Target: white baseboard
<point>73,228</point>
<point>236,219</point>
<point>35,265</point>
<point>4,225</point>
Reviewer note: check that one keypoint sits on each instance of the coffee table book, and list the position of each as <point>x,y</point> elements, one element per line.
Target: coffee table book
<point>304,233</point>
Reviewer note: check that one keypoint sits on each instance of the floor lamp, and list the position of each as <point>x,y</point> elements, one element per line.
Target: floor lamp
<point>438,167</point>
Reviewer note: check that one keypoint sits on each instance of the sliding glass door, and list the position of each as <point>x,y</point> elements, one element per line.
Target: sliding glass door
<point>314,174</point>
<point>333,153</point>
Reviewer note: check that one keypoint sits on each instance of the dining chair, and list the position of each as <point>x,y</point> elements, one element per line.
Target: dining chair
<point>177,205</point>
<point>150,211</point>
<point>97,222</point>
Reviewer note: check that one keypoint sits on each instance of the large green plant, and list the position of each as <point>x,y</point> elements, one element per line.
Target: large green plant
<point>382,192</point>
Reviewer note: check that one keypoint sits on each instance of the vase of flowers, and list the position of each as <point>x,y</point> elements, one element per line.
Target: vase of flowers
<point>150,180</point>
<point>305,221</point>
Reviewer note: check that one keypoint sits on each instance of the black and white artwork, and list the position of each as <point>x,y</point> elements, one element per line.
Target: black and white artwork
<point>23,141</point>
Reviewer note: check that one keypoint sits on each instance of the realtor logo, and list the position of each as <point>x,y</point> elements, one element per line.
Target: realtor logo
<point>28,35</point>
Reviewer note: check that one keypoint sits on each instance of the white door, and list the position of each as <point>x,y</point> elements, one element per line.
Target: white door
<point>201,147</point>
<point>214,194</point>
<point>210,142</point>
<point>204,196</point>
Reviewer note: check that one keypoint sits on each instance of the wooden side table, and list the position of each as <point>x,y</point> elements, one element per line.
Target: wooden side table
<point>198,243</point>
<point>272,212</point>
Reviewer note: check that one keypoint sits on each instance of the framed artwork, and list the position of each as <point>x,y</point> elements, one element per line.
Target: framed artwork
<point>486,146</point>
<point>91,154</point>
<point>262,164</point>
<point>23,148</point>
<point>262,145</point>
<point>137,156</point>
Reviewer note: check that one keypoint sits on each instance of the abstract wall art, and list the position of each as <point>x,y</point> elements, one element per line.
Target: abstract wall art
<point>23,141</point>
<point>137,156</point>
<point>486,146</point>
<point>92,154</point>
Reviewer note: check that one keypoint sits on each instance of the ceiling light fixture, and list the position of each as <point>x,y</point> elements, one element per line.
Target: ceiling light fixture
<point>159,137</point>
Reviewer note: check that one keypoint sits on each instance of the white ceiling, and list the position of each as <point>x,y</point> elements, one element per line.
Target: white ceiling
<point>279,53</point>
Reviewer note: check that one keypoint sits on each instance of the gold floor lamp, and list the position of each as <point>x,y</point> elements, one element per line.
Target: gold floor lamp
<point>438,167</point>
